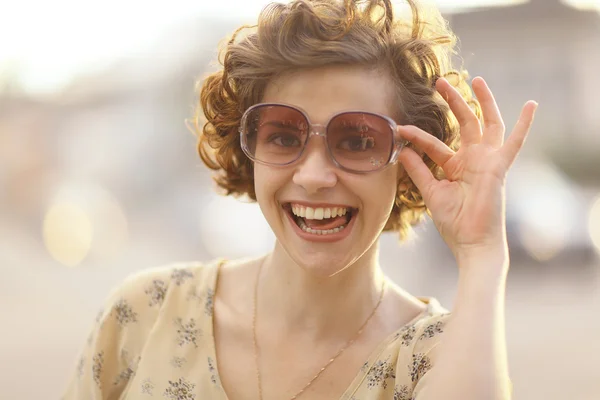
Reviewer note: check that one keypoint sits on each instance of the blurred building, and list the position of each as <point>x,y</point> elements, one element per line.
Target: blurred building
<point>549,51</point>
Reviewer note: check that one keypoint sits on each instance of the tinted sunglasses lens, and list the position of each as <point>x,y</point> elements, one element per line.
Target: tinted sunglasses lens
<point>275,134</point>
<point>360,141</point>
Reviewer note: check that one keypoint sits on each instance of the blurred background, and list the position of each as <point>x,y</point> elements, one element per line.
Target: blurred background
<point>99,177</point>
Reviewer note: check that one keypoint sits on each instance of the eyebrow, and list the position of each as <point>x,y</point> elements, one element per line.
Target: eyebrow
<point>352,127</point>
<point>279,124</point>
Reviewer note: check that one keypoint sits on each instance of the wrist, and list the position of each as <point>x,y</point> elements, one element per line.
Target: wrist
<point>488,258</point>
<point>483,274</point>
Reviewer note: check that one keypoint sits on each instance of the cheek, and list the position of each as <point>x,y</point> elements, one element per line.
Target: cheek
<point>267,182</point>
<point>261,184</point>
<point>380,194</point>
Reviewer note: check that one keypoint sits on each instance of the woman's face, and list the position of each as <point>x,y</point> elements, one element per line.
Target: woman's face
<point>286,193</point>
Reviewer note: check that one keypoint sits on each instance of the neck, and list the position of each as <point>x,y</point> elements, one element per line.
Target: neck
<point>292,299</point>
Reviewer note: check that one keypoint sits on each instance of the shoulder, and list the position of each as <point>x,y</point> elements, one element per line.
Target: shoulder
<point>418,343</point>
<point>432,321</point>
<point>132,310</point>
<point>425,332</point>
<point>407,355</point>
<point>135,304</point>
<point>151,287</point>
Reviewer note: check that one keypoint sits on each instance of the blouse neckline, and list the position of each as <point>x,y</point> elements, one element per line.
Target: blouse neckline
<point>362,373</point>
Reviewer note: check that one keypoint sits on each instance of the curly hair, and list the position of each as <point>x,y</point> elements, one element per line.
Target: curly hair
<point>414,51</point>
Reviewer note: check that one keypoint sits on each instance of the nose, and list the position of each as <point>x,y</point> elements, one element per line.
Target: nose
<point>315,170</point>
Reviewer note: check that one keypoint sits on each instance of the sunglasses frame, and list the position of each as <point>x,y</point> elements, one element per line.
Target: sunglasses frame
<point>321,130</point>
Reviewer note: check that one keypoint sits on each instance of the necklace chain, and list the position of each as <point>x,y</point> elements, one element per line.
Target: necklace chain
<point>340,351</point>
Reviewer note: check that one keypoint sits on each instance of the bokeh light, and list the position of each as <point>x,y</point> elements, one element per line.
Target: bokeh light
<point>546,208</point>
<point>594,223</point>
<point>84,220</point>
<point>542,245</point>
<point>67,233</point>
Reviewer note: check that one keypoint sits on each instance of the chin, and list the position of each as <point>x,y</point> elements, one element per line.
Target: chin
<point>322,264</point>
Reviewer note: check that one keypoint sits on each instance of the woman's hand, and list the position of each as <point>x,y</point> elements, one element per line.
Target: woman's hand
<point>468,206</point>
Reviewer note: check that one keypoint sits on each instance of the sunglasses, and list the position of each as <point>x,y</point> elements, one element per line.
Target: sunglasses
<point>357,141</point>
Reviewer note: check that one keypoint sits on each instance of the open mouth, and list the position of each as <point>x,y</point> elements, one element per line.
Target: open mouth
<point>320,220</point>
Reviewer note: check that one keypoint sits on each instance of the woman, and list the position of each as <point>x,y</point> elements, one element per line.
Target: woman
<point>336,117</point>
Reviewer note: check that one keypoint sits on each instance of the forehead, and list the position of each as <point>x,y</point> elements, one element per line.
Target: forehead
<point>322,92</point>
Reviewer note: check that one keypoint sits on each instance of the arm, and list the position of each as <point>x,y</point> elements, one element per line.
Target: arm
<point>468,209</point>
<point>471,359</point>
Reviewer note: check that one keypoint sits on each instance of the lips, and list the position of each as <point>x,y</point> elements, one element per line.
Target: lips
<point>320,222</point>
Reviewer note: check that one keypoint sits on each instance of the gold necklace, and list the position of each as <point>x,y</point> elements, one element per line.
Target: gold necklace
<point>340,351</point>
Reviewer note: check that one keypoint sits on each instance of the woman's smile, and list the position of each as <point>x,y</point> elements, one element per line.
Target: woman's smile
<point>320,222</point>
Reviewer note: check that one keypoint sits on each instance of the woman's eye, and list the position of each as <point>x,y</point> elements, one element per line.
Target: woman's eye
<point>285,140</point>
<point>358,143</point>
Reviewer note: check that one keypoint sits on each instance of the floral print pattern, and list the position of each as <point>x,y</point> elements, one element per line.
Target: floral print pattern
<point>420,365</point>
<point>177,362</point>
<point>402,393</point>
<point>124,313</point>
<point>379,374</point>
<point>208,305</point>
<point>194,294</point>
<point>432,329</point>
<point>97,365</point>
<point>99,315</point>
<point>127,373</point>
<point>80,366</point>
<point>180,390</point>
<point>407,334</point>
<point>156,292</point>
<point>147,387</point>
<point>365,367</point>
<point>149,343</point>
<point>179,276</point>
<point>187,332</point>
<point>213,371</point>
<point>205,299</point>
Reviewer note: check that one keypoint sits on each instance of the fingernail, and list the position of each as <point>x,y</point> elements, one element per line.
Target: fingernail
<point>535,106</point>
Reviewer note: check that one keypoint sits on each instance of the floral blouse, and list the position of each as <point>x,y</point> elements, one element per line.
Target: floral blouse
<point>154,339</point>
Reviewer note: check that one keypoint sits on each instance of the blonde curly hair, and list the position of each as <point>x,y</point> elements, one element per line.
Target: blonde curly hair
<point>414,50</point>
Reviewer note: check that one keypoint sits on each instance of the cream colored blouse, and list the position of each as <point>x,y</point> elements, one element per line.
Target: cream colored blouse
<point>154,339</point>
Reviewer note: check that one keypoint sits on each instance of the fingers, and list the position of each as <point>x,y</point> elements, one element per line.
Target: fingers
<point>417,170</point>
<point>470,130</point>
<point>437,150</point>
<point>493,126</point>
<point>515,141</point>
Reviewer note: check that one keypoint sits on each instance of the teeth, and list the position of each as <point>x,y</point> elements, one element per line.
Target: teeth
<point>319,231</point>
<point>319,212</point>
<point>310,213</point>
